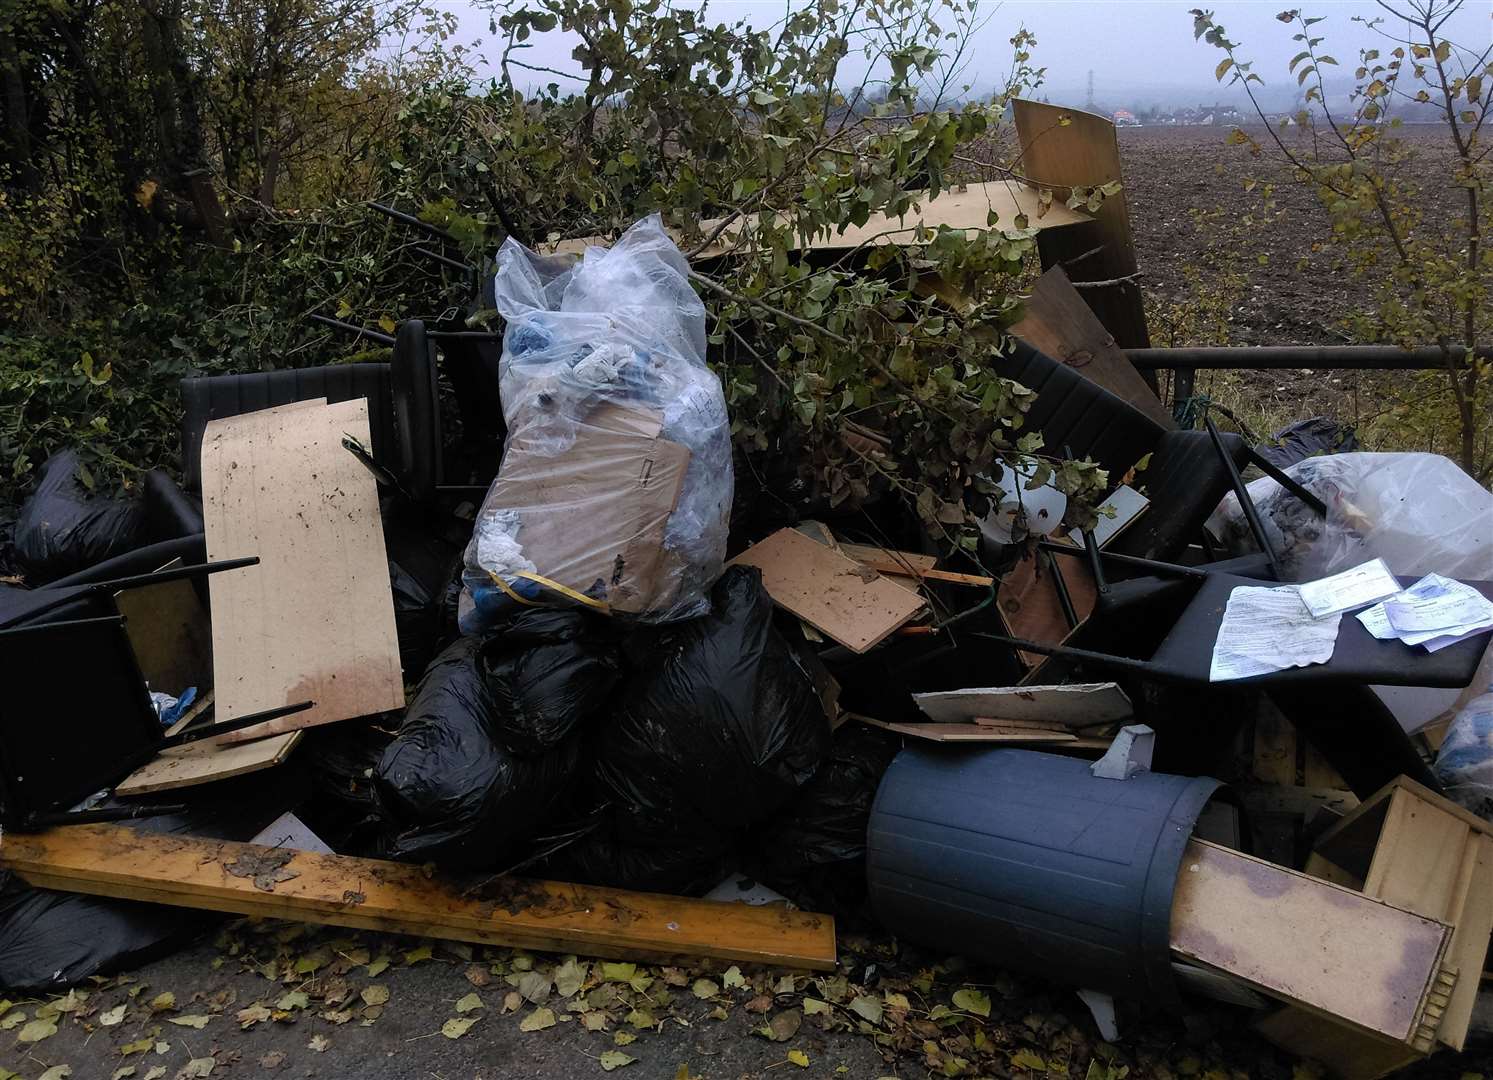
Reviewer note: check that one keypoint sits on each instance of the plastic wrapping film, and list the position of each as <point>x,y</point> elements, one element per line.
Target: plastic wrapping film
<point>615,486</point>
<point>1464,763</point>
<point>1420,513</point>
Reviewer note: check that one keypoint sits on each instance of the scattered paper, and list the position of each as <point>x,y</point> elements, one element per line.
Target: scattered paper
<point>1434,612</point>
<point>1353,588</point>
<point>1265,630</point>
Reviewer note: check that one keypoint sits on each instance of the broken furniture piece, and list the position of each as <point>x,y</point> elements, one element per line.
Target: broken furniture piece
<point>1409,847</point>
<point>1328,950</point>
<point>249,879</point>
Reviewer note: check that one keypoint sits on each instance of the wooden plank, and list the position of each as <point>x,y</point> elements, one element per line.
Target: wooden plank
<point>1429,861</point>
<point>169,630</point>
<point>851,603</point>
<point>1348,1053</point>
<point>972,733</point>
<point>967,208</point>
<point>1275,747</point>
<point>315,619</point>
<point>1318,867</point>
<point>1056,321</point>
<point>1028,601</point>
<point>1306,941</point>
<point>889,565</point>
<point>903,562</point>
<point>111,860</point>
<point>1127,504</point>
<point>205,761</point>
<point>1317,771</point>
<point>1072,706</point>
<point>1066,148</point>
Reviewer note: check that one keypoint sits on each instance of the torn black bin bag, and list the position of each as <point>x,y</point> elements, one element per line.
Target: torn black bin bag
<point>719,727</point>
<point>548,671</point>
<point>52,940</point>
<point>63,528</point>
<point>677,863</point>
<point>1307,438</point>
<point>814,849</point>
<point>446,791</point>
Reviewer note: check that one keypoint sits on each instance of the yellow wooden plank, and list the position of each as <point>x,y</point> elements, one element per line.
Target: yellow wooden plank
<point>249,879</point>
<point>1275,747</point>
<point>1308,942</point>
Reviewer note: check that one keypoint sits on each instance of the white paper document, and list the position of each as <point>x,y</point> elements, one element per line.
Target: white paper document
<point>1443,610</point>
<point>1353,588</point>
<point>1265,630</point>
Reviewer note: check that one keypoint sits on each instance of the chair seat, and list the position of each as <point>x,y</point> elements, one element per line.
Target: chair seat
<point>1184,480</point>
<point>1186,654</point>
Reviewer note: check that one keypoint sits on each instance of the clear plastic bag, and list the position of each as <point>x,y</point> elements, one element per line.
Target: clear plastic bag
<point>1420,513</point>
<point>1464,764</point>
<point>615,487</point>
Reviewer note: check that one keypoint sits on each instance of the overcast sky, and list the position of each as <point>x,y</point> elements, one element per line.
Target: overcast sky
<point>1140,51</point>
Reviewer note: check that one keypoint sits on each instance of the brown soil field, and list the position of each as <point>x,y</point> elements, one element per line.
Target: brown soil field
<point>1273,281</point>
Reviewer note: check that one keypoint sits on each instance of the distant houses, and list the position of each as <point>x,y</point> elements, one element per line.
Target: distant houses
<point>1201,116</point>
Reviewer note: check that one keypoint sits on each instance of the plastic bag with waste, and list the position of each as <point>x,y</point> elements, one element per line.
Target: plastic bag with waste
<point>548,671</point>
<point>63,528</point>
<point>1464,764</point>
<point>615,486</point>
<point>1420,513</point>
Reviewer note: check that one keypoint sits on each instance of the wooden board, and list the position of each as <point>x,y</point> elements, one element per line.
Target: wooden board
<point>1056,321</point>
<point>112,860</point>
<point>1074,706</point>
<point>1028,601</point>
<point>1062,148</point>
<point>1127,504</point>
<point>1305,941</point>
<point>315,619</point>
<point>1435,858</point>
<point>207,760</point>
<point>1348,1053</point>
<point>901,562</point>
<point>1274,760</point>
<point>851,603</point>
<point>889,564</point>
<point>973,733</point>
<point>169,630</point>
<point>966,208</point>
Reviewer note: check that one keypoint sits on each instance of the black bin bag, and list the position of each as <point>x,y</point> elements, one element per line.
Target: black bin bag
<point>446,791</point>
<point>548,671</point>
<point>814,849</point>
<point>718,728</point>
<point>63,528</point>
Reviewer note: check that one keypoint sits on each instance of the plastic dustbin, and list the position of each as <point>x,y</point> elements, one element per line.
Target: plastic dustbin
<point>1027,861</point>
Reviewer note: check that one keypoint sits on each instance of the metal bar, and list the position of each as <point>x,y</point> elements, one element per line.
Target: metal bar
<point>35,822</point>
<point>1124,663</point>
<point>454,264</point>
<point>1290,484</point>
<point>134,581</point>
<point>1270,357</point>
<point>97,620</point>
<point>1127,560</point>
<point>1065,601</point>
<point>208,730</point>
<point>412,221</point>
<point>361,331</point>
<point>1247,504</point>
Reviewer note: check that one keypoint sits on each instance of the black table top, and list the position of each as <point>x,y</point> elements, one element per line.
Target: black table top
<point>1186,653</point>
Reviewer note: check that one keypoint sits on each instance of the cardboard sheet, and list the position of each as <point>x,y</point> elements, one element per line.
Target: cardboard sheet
<point>852,603</point>
<point>315,619</point>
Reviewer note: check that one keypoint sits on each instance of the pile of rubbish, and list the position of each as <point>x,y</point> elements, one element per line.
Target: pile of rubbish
<point>508,718</point>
